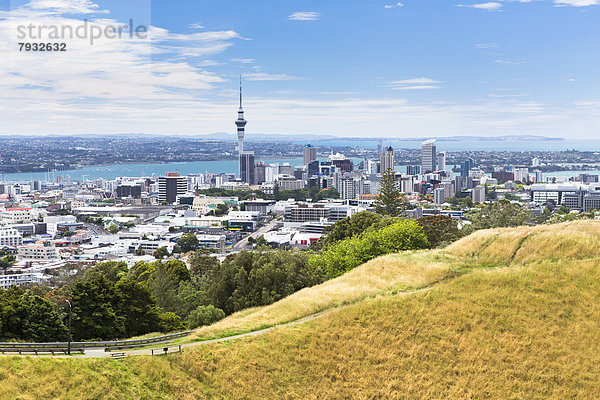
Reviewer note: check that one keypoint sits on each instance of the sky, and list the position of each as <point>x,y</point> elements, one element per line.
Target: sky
<point>352,68</point>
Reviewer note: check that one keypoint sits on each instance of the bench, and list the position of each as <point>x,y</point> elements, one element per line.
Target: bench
<point>118,355</point>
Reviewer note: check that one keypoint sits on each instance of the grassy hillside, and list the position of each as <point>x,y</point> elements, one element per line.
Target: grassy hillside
<point>519,320</point>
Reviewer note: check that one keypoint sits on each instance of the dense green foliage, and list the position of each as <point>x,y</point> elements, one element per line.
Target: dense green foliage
<point>26,316</point>
<point>349,253</point>
<point>313,193</point>
<point>187,242</point>
<point>499,214</point>
<point>349,227</point>
<point>204,315</point>
<point>258,278</point>
<point>439,229</point>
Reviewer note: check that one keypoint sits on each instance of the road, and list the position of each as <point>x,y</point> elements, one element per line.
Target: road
<point>255,235</point>
<point>95,229</point>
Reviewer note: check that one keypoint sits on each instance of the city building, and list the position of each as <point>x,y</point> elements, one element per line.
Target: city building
<point>171,186</point>
<point>38,252</point>
<point>10,237</point>
<point>247,168</point>
<point>413,169</point>
<point>478,194</point>
<point>521,175</point>
<point>466,166</point>
<point>310,154</point>
<point>15,216</point>
<point>428,156</point>
<point>441,161</point>
<point>7,281</point>
<point>387,160</point>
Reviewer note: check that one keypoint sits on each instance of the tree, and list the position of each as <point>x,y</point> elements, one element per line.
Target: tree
<point>204,315</point>
<point>161,253</point>
<point>170,322</point>
<point>95,306</point>
<point>389,201</point>
<point>187,242</point>
<point>138,308</point>
<point>439,229</point>
<point>221,209</point>
<point>500,214</point>
<point>113,228</point>
<point>349,227</point>
<point>27,316</point>
<point>111,270</point>
<point>261,241</point>
<point>202,264</point>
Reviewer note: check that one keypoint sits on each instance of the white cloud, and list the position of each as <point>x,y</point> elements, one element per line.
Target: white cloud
<point>413,84</point>
<point>489,6</point>
<point>507,62</point>
<point>491,45</point>
<point>196,26</point>
<point>393,5</point>
<point>243,60</point>
<point>304,16</point>
<point>66,6</point>
<point>577,3</point>
<point>263,76</point>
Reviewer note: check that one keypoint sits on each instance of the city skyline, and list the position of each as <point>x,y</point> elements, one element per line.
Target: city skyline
<point>368,69</point>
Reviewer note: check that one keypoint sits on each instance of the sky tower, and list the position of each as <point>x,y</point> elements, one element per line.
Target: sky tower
<point>241,123</point>
<point>246,157</point>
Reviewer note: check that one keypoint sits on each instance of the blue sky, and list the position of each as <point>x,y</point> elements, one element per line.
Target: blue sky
<point>354,68</point>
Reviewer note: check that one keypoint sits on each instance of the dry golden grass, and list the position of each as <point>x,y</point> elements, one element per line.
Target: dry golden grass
<point>578,239</point>
<point>384,274</point>
<point>528,331</point>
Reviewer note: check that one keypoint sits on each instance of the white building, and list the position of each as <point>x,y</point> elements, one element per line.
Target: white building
<point>7,281</point>
<point>12,216</point>
<point>37,252</point>
<point>10,237</point>
<point>478,194</point>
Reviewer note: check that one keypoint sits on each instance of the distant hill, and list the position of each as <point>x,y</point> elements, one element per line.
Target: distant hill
<point>502,313</point>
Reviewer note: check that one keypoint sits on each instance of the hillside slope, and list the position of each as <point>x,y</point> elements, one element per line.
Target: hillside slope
<point>519,321</point>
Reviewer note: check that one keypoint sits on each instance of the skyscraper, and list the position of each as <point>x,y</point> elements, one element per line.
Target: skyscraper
<point>387,159</point>
<point>247,167</point>
<point>466,166</point>
<point>428,156</point>
<point>310,154</point>
<point>246,158</point>
<point>170,186</point>
<point>441,161</point>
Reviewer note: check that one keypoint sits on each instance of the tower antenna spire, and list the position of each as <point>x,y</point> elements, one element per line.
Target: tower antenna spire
<point>240,91</point>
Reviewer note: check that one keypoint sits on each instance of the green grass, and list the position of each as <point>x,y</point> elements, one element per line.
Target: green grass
<point>512,324</point>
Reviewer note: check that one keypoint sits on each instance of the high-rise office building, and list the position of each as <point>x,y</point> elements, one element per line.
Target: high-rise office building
<point>413,169</point>
<point>260,173</point>
<point>466,166</point>
<point>313,168</point>
<point>171,186</point>
<point>387,160</point>
<point>247,167</point>
<point>441,161</point>
<point>310,154</point>
<point>428,156</point>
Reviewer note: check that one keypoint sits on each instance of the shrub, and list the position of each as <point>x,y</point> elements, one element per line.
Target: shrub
<point>349,253</point>
<point>204,315</point>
